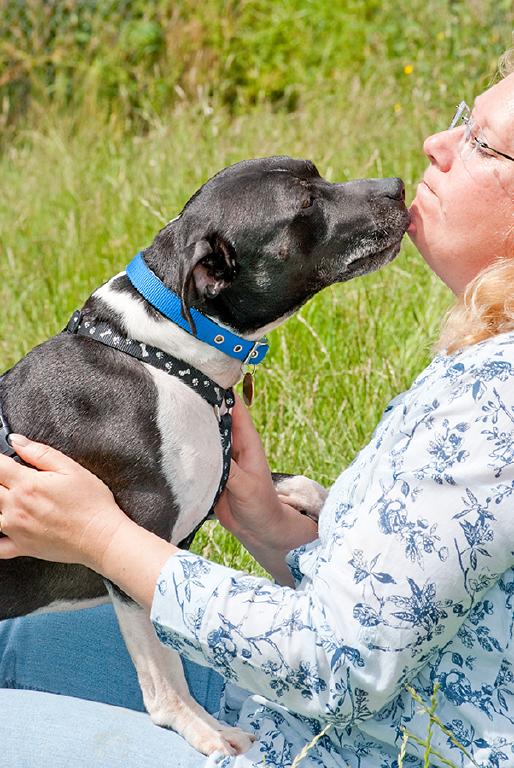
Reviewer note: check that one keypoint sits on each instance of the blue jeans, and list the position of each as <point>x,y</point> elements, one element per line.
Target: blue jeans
<point>70,697</point>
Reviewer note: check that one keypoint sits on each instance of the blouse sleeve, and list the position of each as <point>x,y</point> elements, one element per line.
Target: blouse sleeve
<point>411,550</point>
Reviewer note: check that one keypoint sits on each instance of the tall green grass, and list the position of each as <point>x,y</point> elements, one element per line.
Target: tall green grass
<point>131,58</point>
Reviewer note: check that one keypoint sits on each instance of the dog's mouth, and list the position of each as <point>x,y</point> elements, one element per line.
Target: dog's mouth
<point>374,253</point>
<point>369,256</point>
<point>374,259</point>
<point>366,255</point>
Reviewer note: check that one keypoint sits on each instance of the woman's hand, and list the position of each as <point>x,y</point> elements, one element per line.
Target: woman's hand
<point>250,507</point>
<point>62,513</point>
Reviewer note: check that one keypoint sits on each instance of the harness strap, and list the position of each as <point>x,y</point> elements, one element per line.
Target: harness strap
<point>5,431</point>
<point>195,379</point>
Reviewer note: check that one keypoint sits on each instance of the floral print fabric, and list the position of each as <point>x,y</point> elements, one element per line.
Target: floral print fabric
<point>410,581</point>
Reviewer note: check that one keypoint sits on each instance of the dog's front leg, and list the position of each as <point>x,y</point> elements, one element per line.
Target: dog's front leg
<point>164,687</point>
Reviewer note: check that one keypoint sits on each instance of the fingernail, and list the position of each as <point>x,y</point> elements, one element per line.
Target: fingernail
<point>18,439</point>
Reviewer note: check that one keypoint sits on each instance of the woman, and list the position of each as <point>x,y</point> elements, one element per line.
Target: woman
<point>410,580</point>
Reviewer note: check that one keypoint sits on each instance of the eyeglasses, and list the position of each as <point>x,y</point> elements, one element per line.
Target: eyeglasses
<point>473,138</point>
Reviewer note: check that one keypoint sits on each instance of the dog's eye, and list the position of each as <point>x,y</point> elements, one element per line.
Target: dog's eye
<point>308,202</point>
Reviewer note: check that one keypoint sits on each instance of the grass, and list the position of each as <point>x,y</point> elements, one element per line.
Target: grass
<point>131,57</point>
<point>429,753</point>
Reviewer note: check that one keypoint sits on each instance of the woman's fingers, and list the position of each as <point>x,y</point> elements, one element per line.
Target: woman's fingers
<point>10,471</point>
<point>8,549</point>
<point>222,510</point>
<point>238,481</point>
<point>236,474</point>
<point>243,428</point>
<point>39,455</point>
<point>247,447</point>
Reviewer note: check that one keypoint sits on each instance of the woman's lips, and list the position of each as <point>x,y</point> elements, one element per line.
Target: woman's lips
<point>412,224</point>
<point>424,183</point>
<point>423,192</point>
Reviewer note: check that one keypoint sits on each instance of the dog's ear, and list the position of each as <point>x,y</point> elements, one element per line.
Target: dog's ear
<point>210,268</point>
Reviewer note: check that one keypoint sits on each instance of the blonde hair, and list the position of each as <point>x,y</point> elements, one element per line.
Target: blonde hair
<point>506,63</point>
<point>486,307</point>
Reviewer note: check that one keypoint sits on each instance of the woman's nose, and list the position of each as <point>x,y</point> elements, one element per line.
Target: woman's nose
<point>440,148</point>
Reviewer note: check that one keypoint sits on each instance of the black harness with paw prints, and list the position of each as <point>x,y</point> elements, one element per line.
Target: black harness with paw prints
<point>222,400</point>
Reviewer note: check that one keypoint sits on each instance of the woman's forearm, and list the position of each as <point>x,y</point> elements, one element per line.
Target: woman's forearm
<point>270,550</point>
<point>274,562</point>
<point>133,559</point>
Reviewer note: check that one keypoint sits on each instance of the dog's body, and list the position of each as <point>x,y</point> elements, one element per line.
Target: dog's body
<point>246,251</point>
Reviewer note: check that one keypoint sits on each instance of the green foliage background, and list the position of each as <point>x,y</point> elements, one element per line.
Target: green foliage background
<point>134,57</point>
<point>113,113</point>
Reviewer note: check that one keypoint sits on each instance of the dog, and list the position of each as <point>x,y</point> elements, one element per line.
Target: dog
<point>250,247</point>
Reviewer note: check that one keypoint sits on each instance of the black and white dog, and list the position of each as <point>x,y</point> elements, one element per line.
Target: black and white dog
<point>250,247</point>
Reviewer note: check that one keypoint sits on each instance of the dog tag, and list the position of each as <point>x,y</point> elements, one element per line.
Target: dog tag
<point>248,389</point>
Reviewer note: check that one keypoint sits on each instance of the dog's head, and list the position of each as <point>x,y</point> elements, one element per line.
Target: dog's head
<point>263,236</point>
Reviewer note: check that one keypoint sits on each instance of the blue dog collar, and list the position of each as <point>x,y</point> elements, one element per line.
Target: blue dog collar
<point>168,303</point>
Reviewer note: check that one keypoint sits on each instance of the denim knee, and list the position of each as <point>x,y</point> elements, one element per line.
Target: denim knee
<point>77,653</point>
<point>82,654</point>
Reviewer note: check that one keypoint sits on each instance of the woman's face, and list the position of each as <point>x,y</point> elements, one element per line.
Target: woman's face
<point>463,211</point>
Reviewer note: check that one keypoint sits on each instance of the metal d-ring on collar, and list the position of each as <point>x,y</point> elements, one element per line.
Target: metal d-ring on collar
<point>169,304</point>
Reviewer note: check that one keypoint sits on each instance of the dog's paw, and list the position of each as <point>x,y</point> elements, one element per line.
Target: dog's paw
<point>204,732</point>
<point>218,738</point>
<point>305,495</point>
<point>235,740</point>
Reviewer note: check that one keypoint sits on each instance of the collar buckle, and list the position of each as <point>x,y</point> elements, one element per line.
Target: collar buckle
<point>75,321</point>
<point>254,351</point>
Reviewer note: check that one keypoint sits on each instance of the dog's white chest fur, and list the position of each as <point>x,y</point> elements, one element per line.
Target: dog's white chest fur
<point>191,452</point>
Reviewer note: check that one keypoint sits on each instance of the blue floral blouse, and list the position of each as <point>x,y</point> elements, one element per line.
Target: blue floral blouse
<point>410,582</point>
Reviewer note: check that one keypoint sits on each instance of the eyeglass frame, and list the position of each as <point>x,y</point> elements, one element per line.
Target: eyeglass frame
<point>463,114</point>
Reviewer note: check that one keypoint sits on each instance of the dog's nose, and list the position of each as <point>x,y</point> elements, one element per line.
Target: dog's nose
<point>394,188</point>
